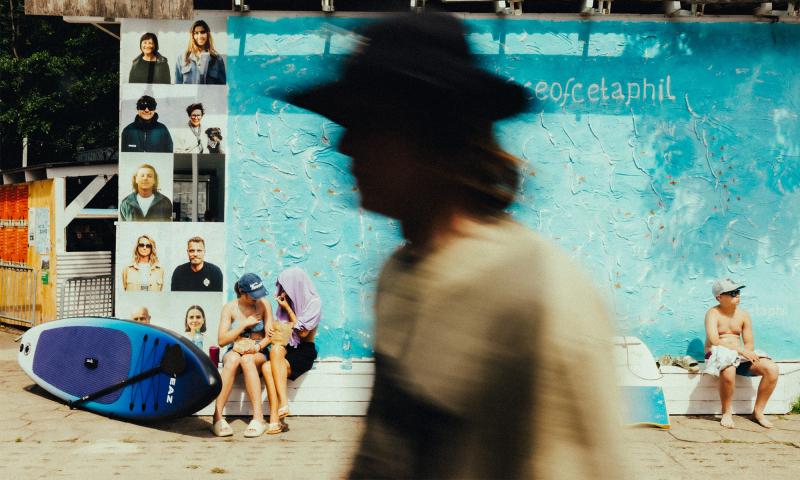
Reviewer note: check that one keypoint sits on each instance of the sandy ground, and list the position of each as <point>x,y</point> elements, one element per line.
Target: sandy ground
<point>41,438</point>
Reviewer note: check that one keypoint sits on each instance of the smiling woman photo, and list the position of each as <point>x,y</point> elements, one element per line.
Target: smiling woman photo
<point>200,64</point>
<point>192,139</point>
<point>150,66</point>
<point>195,319</point>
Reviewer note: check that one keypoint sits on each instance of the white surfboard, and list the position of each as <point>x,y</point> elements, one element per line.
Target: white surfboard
<point>640,391</point>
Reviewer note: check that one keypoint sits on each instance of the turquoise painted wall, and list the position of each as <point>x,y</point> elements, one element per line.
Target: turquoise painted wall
<point>660,156</point>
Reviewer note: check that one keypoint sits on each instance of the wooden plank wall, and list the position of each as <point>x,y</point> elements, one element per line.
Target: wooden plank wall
<point>153,9</point>
<point>42,194</point>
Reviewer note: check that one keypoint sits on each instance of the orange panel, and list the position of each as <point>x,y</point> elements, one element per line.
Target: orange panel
<point>3,244</point>
<point>23,214</point>
<point>22,245</point>
<point>12,203</point>
<point>4,203</point>
<point>17,198</point>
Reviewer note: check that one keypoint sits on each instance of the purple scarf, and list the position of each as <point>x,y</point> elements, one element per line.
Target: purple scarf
<point>302,297</point>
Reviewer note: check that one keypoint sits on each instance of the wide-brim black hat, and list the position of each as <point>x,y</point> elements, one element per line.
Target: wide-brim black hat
<point>418,65</point>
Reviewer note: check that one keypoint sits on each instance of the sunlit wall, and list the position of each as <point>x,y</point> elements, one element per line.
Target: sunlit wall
<point>660,156</point>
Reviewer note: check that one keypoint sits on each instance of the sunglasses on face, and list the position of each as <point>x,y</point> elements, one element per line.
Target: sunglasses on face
<point>196,116</point>
<point>145,245</point>
<point>145,106</point>
<point>734,293</point>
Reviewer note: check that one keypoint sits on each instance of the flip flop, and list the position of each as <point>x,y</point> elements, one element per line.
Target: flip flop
<point>283,412</point>
<point>221,428</point>
<point>688,363</point>
<point>259,428</point>
<point>275,425</point>
<point>664,361</point>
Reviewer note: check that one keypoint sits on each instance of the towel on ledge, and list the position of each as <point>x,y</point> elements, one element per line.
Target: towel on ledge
<point>723,357</point>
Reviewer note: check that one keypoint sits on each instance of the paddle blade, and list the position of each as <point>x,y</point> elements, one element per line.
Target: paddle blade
<point>173,362</point>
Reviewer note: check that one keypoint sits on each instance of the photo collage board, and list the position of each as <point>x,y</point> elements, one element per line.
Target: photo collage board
<point>173,121</point>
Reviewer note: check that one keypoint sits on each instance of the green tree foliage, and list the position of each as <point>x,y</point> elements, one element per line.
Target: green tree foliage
<point>59,86</point>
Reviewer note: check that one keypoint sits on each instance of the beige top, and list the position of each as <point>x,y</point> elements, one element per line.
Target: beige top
<point>131,280</point>
<point>492,360</point>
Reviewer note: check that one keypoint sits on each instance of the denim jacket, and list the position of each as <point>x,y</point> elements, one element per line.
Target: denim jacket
<point>215,72</point>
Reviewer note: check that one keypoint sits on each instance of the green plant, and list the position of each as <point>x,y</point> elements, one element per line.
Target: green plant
<point>796,407</point>
<point>60,87</point>
<point>218,470</point>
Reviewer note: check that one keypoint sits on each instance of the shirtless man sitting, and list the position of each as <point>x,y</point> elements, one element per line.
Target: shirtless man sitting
<point>730,326</point>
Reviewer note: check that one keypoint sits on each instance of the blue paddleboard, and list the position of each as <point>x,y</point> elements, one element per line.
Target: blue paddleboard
<point>75,357</point>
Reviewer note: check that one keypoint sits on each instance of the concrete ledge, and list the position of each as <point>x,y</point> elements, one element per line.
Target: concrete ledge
<point>697,393</point>
<point>329,390</point>
<point>325,390</point>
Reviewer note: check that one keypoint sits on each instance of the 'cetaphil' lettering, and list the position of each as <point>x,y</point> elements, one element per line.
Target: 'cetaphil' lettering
<point>574,92</point>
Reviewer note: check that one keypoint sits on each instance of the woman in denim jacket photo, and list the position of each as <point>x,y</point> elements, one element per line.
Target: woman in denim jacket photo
<point>201,64</point>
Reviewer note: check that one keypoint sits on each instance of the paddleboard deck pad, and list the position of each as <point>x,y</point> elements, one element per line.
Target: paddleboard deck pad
<point>74,357</point>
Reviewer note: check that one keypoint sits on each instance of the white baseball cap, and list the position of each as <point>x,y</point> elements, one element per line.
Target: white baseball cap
<point>724,285</point>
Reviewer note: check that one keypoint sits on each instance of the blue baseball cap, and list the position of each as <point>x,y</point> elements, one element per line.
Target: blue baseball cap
<point>250,284</point>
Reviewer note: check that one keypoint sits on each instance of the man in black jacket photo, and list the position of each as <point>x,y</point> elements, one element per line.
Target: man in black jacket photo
<point>145,134</point>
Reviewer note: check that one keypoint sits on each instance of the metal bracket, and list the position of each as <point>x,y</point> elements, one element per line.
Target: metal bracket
<point>587,7</point>
<point>765,10</point>
<point>673,9</point>
<point>417,6</point>
<point>502,7</point>
<point>240,6</point>
<point>508,7</point>
<point>327,5</point>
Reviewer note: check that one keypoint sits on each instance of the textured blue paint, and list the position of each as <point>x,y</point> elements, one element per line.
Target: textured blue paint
<point>655,197</point>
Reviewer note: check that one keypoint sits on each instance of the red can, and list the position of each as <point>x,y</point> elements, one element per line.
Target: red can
<point>213,354</point>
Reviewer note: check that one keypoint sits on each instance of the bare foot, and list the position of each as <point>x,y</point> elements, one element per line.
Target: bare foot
<point>760,418</point>
<point>727,421</point>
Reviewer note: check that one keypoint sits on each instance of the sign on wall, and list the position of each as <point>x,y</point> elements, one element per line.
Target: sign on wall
<point>43,231</point>
<point>173,129</point>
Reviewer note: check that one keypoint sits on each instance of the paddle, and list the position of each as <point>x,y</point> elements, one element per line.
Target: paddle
<point>172,363</point>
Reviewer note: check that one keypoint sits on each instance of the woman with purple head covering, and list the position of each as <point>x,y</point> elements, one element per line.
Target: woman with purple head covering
<point>299,305</point>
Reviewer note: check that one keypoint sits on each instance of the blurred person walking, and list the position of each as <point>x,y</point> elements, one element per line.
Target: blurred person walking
<point>490,346</point>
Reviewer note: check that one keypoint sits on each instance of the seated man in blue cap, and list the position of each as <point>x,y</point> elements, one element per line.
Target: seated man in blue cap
<point>730,352</point>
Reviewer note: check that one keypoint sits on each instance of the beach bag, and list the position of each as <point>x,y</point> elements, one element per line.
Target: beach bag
<point>282,334</point>
<point>241,344</point>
